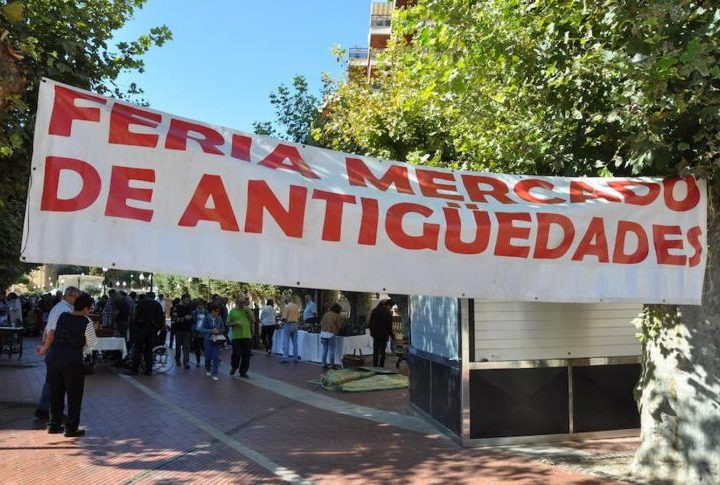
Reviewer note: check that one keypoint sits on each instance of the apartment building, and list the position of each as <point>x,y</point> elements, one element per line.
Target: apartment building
<point>361,60</point>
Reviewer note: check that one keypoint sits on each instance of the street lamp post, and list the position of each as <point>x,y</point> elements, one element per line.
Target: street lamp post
<point>104,270</point>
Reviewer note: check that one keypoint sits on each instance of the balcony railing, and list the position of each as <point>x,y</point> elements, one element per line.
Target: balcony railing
<point>380,20</point>
<point>358,53</point>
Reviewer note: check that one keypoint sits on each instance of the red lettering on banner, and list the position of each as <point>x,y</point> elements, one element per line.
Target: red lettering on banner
<point>498,188</point>
<point>581,192</point>
<point>542,242</point>
<point>122,116</point>
<point>507,231</point>
<point>332,223</point>
<point>369,222</point>
<point>619,255</point>
<point>393,226</point>
<point>359,174</point>
<point>179,134</point>
<point>210,186</point>
<point>120,192</point>
<point>276,159</point>
<point>430,188</point>
<point>523,187</point>
<point>240,147</point>
<point>64,110</point>
<point>663,245</point>
<point>261,198</point>
<point>630,197</point>
<point>453,241</point>
<point>594,242</point>
<point>88,192</point>
<point>692,198</point>
<point>693,236</point>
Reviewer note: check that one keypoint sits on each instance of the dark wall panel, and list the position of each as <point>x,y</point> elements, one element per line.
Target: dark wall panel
<point>446,396</point>
<point>420,381</point>
<point>518,402</point>
<point>603,397</point>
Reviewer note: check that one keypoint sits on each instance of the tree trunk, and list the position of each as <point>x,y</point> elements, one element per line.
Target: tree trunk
<point>679,390</point>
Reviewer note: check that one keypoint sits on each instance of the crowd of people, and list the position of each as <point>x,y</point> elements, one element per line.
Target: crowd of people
<point>194,328</point>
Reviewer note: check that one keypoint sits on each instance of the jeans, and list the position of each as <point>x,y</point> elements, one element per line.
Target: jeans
<point>44,404</point>
<point>198,343</point>
<point>212,356</point>
<point>241,352</point>
<point>142,347</point>
<point>379,345</point>
<point>328,346</point>
<point>183,341</point>
<point>267,336</point>
<point>70,380</point>
<point>291,333</point>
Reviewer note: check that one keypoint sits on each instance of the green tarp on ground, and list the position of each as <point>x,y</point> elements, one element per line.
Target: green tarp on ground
<point>361,380</point>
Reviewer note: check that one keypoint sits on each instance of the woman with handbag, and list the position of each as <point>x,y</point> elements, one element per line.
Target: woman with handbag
<point>212,329</point>
<point>65,370</point>
<point>329,327</point>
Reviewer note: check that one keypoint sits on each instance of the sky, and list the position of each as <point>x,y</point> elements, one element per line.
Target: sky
<point>226,56</point>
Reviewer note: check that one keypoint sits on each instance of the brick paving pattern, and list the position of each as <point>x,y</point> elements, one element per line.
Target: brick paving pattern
<point>185,428</point>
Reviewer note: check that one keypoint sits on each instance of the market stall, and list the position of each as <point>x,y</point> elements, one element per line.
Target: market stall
<point>111,344</point>
<point>309,347</point>
<point>495,372</point>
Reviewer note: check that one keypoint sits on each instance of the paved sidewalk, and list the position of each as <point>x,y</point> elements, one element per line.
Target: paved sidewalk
<point>184,427</point>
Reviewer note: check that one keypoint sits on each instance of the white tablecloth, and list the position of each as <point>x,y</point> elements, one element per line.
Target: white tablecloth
<point>111,343</point>
<point>309,347</point>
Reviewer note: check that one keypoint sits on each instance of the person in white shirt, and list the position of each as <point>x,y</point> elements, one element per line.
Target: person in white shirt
<point>14,309</point>
<point>63,306</point>
<point>268,324</point>
<point>64,348</point>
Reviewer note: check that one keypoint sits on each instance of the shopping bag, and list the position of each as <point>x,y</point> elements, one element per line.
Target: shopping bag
<point>353,360</point>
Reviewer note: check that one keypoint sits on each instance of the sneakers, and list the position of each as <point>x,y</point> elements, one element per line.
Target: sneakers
<point>207,373</point>
<point>74,433</point>
<point>215,378</point>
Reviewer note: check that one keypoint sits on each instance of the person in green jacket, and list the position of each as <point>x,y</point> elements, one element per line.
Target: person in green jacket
<point>240,320</point>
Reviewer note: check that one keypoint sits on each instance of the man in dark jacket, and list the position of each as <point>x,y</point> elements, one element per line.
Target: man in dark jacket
<point>149,320</point>
<point>380,329</point>
<point>182,326</point>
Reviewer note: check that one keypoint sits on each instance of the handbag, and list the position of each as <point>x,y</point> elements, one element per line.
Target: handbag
<point>218,338</point>
<point>353,360</point>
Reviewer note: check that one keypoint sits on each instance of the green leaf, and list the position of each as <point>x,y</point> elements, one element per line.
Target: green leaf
<point>13,11</point>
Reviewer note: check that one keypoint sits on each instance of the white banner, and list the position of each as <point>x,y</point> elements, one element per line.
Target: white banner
<point>121,186</point>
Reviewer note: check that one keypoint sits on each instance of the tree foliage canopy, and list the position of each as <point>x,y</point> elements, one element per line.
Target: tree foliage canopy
<point>568,88</point>
<point>68,42</point>
<point>296,111</point>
